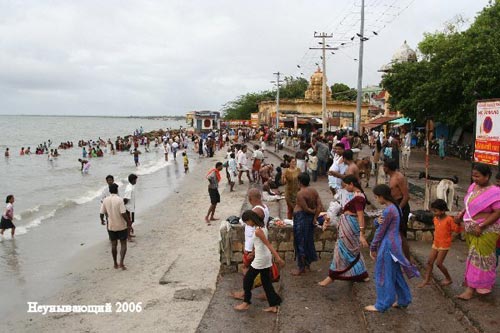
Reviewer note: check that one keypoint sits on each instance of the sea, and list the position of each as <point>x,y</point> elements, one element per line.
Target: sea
<point>56,207</point>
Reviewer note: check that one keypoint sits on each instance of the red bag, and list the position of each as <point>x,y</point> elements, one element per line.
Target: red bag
<point>275,272</point>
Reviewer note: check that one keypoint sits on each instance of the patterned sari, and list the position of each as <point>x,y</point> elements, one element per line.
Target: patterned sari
<point>348,263</point>
<point>481,260</point>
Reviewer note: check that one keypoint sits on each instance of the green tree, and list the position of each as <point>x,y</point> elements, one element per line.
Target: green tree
<point>244,105</point>
<point>456,69</point>
<point>293,87</point>
<point>342,92</point>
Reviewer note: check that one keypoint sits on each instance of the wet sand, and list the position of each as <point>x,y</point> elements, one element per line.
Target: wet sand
<point>174,246</point>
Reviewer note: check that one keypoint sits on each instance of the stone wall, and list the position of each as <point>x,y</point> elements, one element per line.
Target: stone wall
<point>232,244</point>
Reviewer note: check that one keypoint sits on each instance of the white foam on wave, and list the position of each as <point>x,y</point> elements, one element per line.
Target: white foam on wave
<point>27,212</point>
<point>21,230</point>
<point>88,197</point>
<point>152,167</point>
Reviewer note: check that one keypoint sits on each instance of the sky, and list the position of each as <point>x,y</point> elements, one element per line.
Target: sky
<point>145,57</point>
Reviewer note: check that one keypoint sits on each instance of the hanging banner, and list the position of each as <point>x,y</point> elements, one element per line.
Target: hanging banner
<point>487,144</point>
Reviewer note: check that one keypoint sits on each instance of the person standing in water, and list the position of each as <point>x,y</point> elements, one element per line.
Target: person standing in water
<point>85,165</point>
<point>8,216</point>
<point>136,157</point>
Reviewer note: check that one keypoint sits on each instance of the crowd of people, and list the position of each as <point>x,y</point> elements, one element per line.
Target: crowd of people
<point>332,160</point>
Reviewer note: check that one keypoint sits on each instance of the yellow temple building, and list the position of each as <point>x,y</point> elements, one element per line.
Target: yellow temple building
<point>301,112</point>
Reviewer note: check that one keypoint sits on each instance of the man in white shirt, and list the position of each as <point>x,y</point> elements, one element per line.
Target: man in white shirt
<point>175,148</point>
<point>129,201</point>
<point>338,167</point>
<point>118,224</point>
<point>406,149</point>
<point>242,160</point>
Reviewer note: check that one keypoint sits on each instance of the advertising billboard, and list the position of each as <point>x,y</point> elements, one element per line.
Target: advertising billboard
<point>487,141</point>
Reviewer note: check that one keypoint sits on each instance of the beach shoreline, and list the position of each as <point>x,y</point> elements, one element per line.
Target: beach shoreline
<point>173,246</point>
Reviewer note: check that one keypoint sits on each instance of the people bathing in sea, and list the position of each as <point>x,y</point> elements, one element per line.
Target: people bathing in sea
<point>444,225</point>
<point>118,225</point>
<point>85,165</point>
<point>7,153</point>
<point>22,152</point>
<point>8,216</point>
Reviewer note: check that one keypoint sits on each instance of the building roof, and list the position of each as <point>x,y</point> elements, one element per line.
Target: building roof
<point>379,121</point>
<point>404,54</point>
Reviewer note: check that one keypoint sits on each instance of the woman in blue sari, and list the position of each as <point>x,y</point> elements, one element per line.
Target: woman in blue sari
<point>392,289</point>
<point>348,263</point>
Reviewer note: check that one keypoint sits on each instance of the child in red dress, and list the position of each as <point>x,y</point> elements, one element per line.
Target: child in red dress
<point>444,225</point>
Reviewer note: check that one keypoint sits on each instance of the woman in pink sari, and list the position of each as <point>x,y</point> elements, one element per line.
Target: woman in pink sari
<point>481,218</point>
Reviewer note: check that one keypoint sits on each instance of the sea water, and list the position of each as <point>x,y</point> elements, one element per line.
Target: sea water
<point>57,207</point>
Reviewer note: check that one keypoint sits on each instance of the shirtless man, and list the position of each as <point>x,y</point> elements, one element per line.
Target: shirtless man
<point>266,172</point>
<point>352,167</point>
<point>399,191</point>
<point>305,212</point>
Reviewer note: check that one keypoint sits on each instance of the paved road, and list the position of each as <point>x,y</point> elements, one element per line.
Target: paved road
<point>339,307</point>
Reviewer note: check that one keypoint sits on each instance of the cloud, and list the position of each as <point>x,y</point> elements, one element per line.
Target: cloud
<point>169,57</point>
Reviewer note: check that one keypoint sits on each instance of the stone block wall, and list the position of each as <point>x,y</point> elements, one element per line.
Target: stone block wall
<point>232,244</point>
<point>233,240</point>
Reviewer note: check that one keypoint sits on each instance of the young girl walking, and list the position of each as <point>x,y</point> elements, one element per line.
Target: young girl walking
<point>444,225</point>
<point>8,216</point>
<point>261,264</point>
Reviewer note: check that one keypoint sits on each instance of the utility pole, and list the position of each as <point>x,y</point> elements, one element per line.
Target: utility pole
<point>278,82</point>
<point>324,47</point>
<point>357,119</point>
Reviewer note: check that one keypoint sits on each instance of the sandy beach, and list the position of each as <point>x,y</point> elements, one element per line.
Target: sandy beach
<point>175,250</point>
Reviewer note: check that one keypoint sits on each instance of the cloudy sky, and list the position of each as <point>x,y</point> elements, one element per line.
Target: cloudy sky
<point>146,57</point>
